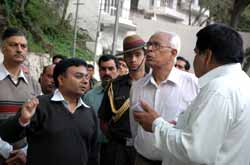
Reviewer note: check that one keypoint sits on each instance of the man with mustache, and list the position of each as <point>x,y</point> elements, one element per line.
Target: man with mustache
<point>114,110</point>
<point>46,79</point>
<point>108,70</point>
<point>16,87</point>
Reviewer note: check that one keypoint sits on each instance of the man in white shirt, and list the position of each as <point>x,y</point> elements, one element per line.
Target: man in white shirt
<point>215,128</point>
<point>166,88</point>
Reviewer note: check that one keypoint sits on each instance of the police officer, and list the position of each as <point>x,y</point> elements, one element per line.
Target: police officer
<point>114,113</point>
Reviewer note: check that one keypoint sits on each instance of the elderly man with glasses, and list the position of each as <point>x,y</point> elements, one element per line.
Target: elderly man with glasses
<point>166,88</point>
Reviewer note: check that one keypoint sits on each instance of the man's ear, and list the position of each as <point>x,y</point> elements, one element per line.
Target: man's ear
<point>174,52</point>
<point>60,79</point>
<point>208,57</point>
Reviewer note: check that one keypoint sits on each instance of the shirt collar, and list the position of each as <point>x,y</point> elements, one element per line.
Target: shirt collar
<point>217,72</point>
<point>57,96</point>
<point>4,73</point>
<point>174,77</point>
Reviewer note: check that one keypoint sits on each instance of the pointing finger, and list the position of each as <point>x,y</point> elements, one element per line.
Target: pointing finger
<point>146,106</point>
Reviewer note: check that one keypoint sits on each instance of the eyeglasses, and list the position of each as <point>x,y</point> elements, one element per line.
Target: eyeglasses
<point>156,45</point>
<point>79,75</point>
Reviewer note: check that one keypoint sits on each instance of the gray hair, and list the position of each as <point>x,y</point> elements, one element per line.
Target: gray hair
<point>175,40</point>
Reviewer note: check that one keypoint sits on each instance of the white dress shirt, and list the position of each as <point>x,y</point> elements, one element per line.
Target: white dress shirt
<point>57,96</point>
<point>169,98</point>
<point>215,129</point>
<point>4,73</point>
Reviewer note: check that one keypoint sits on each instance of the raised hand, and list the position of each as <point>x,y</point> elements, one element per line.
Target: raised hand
<point>146,118</point>
<point>17,157</point>
<point>28,110</point>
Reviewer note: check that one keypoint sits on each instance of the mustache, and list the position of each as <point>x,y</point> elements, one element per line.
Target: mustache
<point>107,77</point>
<point>20,54</point>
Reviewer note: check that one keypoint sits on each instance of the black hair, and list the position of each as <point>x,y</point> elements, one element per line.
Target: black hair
<point>61,68</point>
<point>187,64</point>
<point>108,57</point>
<point>58,56</point>
<point>225,43</point>
<point>12,31</point>
<point>45,68</point>
<point>121,59</point>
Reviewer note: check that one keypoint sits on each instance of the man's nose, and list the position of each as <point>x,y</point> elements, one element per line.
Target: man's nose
<point>133,58</point>
<point>52,80</point>
<point>107,71</point>
<point>19,48</point>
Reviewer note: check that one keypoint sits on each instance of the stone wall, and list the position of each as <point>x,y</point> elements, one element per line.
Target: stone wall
<point>35,63</point>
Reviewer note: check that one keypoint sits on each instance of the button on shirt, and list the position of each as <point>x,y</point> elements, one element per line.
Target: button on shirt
<point>215,129</point>
<point>169,98</point>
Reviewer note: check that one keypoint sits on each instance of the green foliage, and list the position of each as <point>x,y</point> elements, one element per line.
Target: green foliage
<point>42,14</point>
<point>220,11</point>
<point>56,39</point>
<point>244,24</point>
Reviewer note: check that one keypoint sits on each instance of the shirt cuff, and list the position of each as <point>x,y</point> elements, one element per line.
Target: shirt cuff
<point>5,149</point>
<point>24,149</point>
<point>23,124</point>
<point>159,122</point>
<point>156,122</point>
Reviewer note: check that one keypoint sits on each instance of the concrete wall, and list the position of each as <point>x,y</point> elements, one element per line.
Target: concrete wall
<point>87,15</point>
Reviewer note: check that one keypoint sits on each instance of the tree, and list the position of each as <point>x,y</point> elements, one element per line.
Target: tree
<point>246,63</point>
<point>65,7</point>
<point>226,11</point>
<point>244,23</point>
<point>218,11</point>
<point>238,7</point>
<point>202,11</point>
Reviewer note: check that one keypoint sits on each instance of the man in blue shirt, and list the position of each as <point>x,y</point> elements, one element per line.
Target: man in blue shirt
<point>108,70</point>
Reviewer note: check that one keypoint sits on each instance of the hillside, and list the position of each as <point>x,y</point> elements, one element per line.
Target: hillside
<point>47,28</point>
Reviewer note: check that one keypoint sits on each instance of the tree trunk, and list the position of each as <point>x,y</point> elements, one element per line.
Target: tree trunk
<point>238,7</point>
<point>3,20</point>
<point>246,64</point>
<point>201,13</point>
<point>65,7</point>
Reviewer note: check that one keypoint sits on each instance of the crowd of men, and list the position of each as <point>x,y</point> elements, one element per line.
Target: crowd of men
<point>148,108</point>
